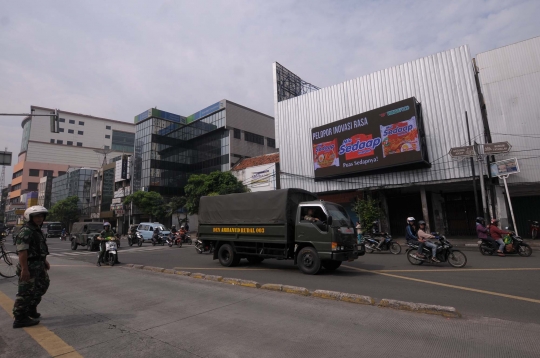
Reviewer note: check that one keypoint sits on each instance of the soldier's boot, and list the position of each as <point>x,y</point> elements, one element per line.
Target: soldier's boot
<point>25,322</point>
<point>33,313</point>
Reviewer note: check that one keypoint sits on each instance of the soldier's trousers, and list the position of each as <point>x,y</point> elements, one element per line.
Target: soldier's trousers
<point>30,292</point>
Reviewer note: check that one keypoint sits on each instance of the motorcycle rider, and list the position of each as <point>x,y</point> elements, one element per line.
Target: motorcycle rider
<point>155,237</point>
<point>106,235</point>
<point>483,233</point>
<point>423,235</point>
<point>412,238</point>
<point>497,234</point>
<point>182,233</point>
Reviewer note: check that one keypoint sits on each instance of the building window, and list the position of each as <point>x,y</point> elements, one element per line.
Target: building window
<point>61,130</point>
<point>237,133</point>
<point>271,142</point>
<point>59,141</point>
<point>71,131</point>
<point>107,127</point>
<point>81,123</point>
<point>69,142</point>
<point>253,138</point>
<point>61,173</point>
<point>52,141</point>
<point>107,147</point>
<point>108,136</point>
<point>18,174</point>
<point>61,120</point>
<point>48,173</point>
<point>34,172</point>
<point>33,186</point>
<point>80,132</point>
<point>15,187</point>
<point>79,144</point>
<point>71,121</point>
<point>123,141</point>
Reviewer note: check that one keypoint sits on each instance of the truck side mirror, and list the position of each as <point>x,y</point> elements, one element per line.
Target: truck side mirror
<point>329,221</point>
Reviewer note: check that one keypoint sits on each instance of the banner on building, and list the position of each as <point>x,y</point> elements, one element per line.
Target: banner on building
<point>387,138</point>
<point>260,178</point>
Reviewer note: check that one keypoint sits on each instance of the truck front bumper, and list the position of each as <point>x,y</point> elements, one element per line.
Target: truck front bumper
<point>345,255</point>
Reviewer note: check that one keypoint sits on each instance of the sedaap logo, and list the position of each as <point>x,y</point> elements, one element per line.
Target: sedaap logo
<point>398,130</point>
<point>359,146</point>
<point>324,148</point>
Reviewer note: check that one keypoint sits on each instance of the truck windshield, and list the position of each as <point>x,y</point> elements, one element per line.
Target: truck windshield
<point>54,227</point>
<point>338,214</point>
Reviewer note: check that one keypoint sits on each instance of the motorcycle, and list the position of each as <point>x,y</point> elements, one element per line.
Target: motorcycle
<point>187,239</point>
<point>158,240</point>
<point>517,247</point>
<point>173,239</point>
<point>111,252</point>
<point>445,253</point>
<point>534,229</point>
<point>203,247</point>
<point>135,238</point>
<point>372,244</point>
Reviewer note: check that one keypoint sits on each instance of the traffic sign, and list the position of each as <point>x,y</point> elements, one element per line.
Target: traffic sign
<point>467,151</point>
<point>496,148</point>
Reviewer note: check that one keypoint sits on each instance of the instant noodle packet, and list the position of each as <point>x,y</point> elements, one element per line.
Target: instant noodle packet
<point>400,137</point>
<point>325,154</point>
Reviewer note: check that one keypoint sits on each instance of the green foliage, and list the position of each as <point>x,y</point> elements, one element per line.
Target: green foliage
<point>176,203</point>
<point>216,183</point>
<point>148,202</point>
<point>368,211</point>
<point>66,211</point>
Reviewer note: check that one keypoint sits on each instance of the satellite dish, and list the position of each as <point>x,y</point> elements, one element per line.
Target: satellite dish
<point>103,152</point>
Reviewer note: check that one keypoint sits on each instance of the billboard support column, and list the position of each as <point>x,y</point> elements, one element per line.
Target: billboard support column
<point>425,210</point>
<point>510,203</point>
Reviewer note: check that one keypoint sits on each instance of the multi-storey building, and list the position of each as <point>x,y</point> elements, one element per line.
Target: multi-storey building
<point>51,154</point>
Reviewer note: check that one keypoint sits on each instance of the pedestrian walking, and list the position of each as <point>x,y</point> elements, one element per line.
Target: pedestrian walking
<point>32,268</point>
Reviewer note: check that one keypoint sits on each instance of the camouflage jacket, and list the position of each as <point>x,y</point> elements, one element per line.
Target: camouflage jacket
<point>105,234</point>
<point>31,238</point>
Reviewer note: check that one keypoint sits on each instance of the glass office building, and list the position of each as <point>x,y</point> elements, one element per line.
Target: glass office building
<point>168,151</point>
<point>74,183</point>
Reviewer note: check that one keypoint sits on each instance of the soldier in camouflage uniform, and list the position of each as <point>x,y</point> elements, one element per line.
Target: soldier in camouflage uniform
<point>32,268</point>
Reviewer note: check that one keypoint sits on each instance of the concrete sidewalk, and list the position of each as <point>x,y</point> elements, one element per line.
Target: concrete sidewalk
<point>119,312</point>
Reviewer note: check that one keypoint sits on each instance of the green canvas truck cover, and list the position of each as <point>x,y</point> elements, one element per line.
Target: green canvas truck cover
<point>263,207</point>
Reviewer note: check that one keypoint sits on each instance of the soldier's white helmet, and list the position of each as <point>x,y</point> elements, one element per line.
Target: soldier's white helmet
<point>35,210</point>
<point>410,218</point>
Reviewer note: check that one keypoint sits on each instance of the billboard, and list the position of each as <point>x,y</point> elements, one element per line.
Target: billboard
<point>5,158</point>
<point>504,167</point>
<point>384,139</point>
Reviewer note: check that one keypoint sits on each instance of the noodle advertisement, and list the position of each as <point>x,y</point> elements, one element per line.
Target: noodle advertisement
<point>383,138</point>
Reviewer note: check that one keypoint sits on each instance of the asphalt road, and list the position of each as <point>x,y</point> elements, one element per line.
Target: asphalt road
<point>116,312</point>
<point>505,288</point>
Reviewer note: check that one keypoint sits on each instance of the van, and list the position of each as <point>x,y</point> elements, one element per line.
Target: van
<point>147,230</point>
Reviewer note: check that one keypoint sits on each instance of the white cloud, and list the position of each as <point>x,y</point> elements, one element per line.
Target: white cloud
<point>115,59</point>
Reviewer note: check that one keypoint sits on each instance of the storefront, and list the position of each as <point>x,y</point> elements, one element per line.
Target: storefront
<point>386,135</point>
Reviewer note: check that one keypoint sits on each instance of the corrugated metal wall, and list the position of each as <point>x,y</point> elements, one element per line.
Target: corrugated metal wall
<point>510,82</point>
<point>444,83</point>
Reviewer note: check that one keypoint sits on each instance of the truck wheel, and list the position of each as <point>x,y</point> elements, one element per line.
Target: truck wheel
<point>309,261</point>
<point>331,265</point>
<point>254,260</point>
<point>74,245</point>
<point>227,257</point>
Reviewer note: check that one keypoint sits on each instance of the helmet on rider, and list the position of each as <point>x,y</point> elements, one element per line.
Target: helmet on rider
<point>480,220</point>
<point>421,222</point>
<point>410,219</point>
<point>106,223</point>
<point>35,210</point>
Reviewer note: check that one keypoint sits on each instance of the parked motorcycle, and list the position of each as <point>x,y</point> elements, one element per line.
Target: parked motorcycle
<point>111,252</point>
<point>534,229</point>
<point>372,244</point>
<point>445,253</point>
<point>517,247</point>
<point>204,247</point>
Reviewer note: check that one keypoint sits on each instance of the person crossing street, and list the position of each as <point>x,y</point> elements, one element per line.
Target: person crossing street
<point>32,268</point>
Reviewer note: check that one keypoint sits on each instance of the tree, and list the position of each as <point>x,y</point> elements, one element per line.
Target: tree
<point>368,211</point>
<point>216,183</point>
<point>66,211</point>
<point>148,202</point>
<point>176,203</point>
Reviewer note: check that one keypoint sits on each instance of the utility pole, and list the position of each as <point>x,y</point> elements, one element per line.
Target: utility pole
<point>482,187</point>
<point>3,176</point>
<point>472,169</point>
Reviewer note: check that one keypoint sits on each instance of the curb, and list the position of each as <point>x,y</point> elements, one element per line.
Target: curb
<point>444,311</point>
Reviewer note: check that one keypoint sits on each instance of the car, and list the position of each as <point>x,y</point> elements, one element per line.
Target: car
<point>147,230</point>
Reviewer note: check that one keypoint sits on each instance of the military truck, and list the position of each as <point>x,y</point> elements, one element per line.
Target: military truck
<point>272,224</point>
<point>84,234</point>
